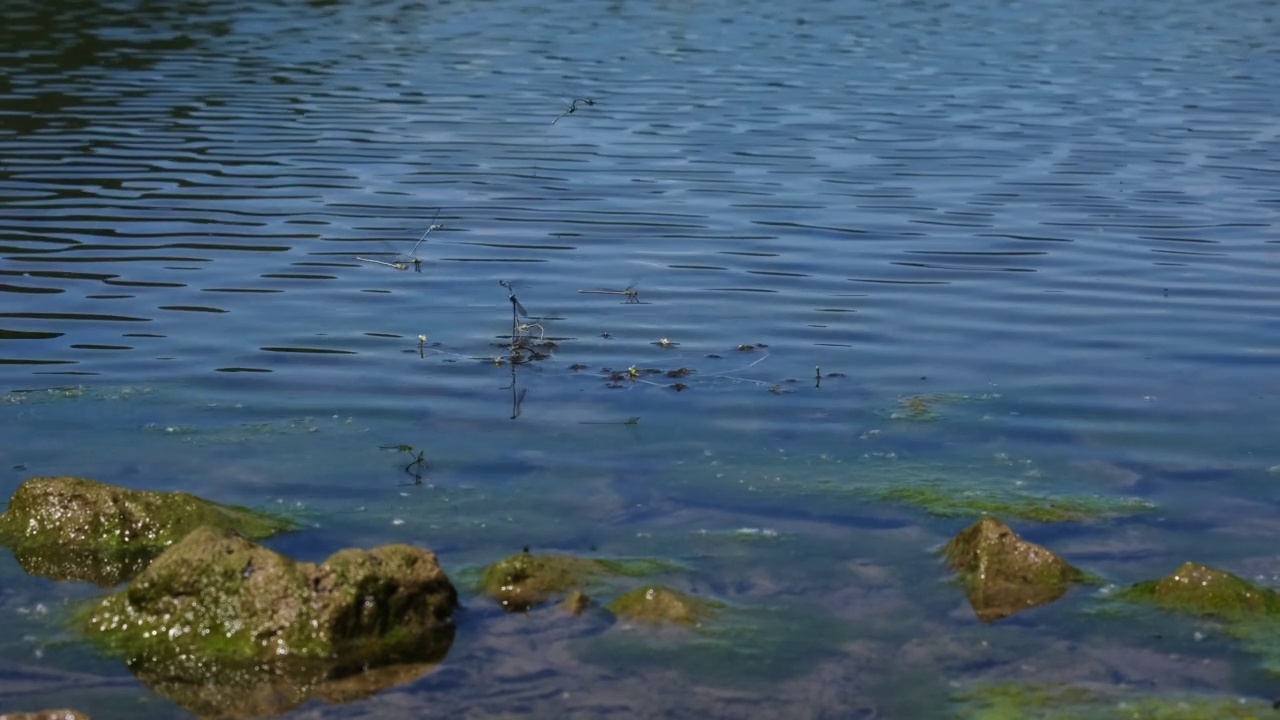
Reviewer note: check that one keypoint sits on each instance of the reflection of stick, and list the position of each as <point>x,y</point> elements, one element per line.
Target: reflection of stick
<point>517,397</point>
<point>748,367</point>
<point>573,107</point>
<point>396,265</point>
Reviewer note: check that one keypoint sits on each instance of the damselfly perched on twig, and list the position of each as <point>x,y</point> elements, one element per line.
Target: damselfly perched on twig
<point>410,259</point>
<point>520,331</point>
<point>517,310</point>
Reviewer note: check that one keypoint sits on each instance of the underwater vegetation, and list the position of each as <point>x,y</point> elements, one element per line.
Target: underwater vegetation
<point>1023,701</point>
<point>943,499</point>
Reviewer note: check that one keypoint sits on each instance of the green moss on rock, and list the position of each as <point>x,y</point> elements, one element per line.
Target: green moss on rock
<point>658,605</point>
<point>68,528</point>
<point>1003,574</point>
<point>226,627</point>
<point>1242,611</point>
<point>1199,590</point>
<point>523,581</point>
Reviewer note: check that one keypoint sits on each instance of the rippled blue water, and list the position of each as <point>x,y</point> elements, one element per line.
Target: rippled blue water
<point>1058,218</point>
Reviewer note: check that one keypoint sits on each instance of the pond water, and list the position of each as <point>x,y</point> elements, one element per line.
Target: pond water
<point>1021,248</point>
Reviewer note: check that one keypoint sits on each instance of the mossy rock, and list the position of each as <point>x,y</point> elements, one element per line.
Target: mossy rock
<point>67,528</point>
<point>1199,590</point>
<point>225,627</point>
<point>657,605</point>
<point>1003,574</point>
<point>524,581</point>
<point>1243,611</point>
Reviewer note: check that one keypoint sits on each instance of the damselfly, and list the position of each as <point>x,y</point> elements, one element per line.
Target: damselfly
<point>521,335</point>
<point>410,259</point>
<point>516,308</point>
<point>631,294</point>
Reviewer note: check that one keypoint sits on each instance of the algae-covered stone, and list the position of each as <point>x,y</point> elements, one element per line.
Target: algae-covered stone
<point>68,528</point>
<point>658,605</point>
<point>523,581</point>
<point>217,595</point>
<point>1241,610</point>
<point>1004,574</point>
<point>226,627</point>
<point>1201,590</point>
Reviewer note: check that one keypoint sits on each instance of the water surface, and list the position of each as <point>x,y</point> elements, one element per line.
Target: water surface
<point>1060,219</point>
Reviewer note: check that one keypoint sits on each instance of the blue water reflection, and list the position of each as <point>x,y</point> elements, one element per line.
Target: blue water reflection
<point>1057,221</point>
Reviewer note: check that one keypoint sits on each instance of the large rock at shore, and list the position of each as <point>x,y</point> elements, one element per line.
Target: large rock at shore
<point>1200,590</point>
<point>1003,574</point>
<point>228,628</point>
<point>68,528</point>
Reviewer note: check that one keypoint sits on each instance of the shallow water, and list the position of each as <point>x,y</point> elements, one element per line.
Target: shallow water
<point>1060,220</point>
